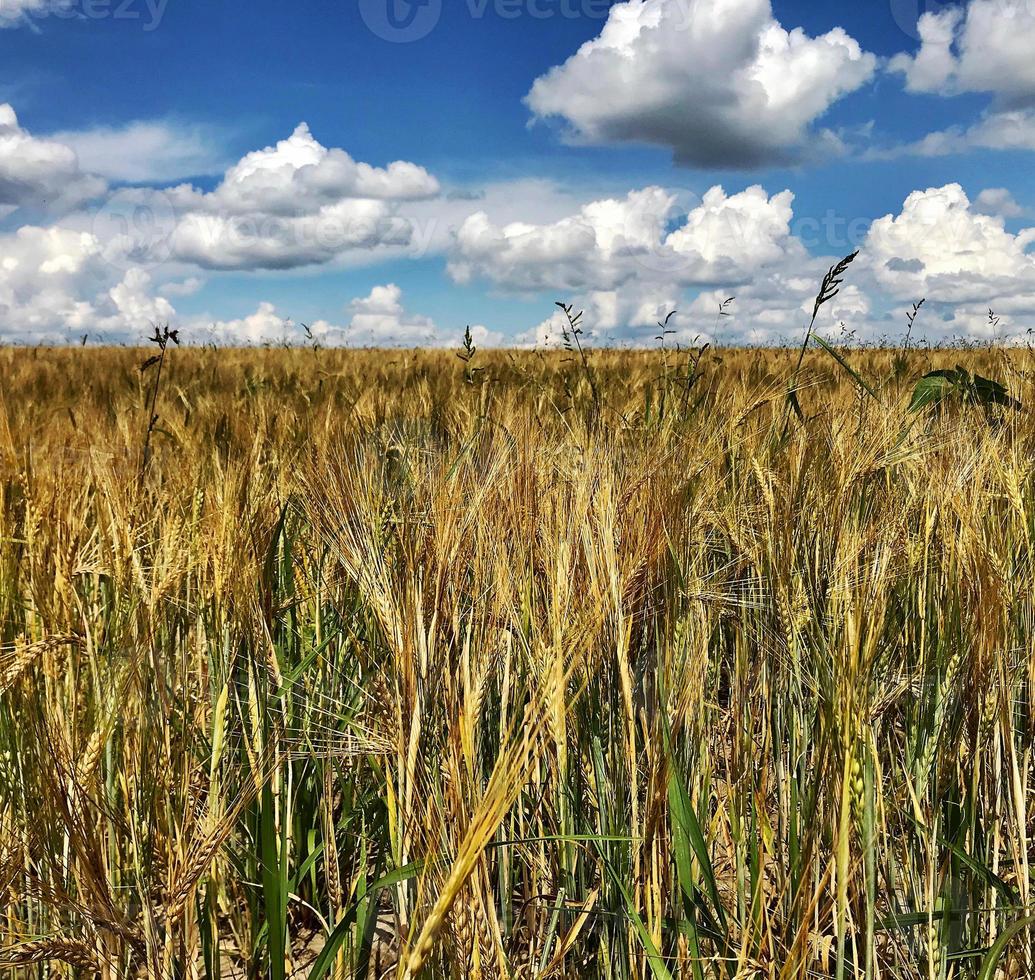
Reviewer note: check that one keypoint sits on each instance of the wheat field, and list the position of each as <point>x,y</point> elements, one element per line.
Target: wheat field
<point>394,664</point>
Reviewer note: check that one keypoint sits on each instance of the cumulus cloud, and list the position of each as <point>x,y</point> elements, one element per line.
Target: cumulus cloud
<point>290,205</point>
<point>55,284</point>
<point>592,245</point>
<point>773,308</point>
<point>776,308</point>
<point>720,82</point>
<point>184,287</point>
<point>379,319</point>
<point>300,172</point>
<point>998,201</point>
<point>1013,130</point>
<point>145,152</point>
<point>613,242</point>
<point>264,326</point>
<point>294,204</point>
<point>267,241</point>
<point>941,247</point>
<point>628,262</point>
<point>930,69</point>
<point>40,173</point>
<point>632,313</point>
<point>548,335</point>
<point>986,47</point>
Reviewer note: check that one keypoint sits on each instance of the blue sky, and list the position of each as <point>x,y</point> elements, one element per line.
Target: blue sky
<point>552,149</point>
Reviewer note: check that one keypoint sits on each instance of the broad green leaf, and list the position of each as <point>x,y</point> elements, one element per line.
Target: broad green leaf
<point>931,389</point>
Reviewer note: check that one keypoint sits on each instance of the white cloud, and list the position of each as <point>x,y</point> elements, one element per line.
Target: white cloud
<point>1000,202</point>
<point>287,206</point>
<point>607,315</point>
<point>40,173</point>
<point>985,48</point>
<point>376,320</point>
<point>1013,130</point>
<point>995,130</point>
<point>55,284</point>
<point>379,320</point>
<point>270,241</point>
<point>185,287</point>
<point>720,82</point>
<point>774,307</point>
<point>741,232</point>
<point>145,152</point>
<point>629,262</point>
<point>548,335</point>
<point>930,69</point>
<point>611,243</point>
<point>301,173</point>
<point>263,326</point>
<point>295,204</point>
<point>940,247</point>
<point>136,304</point>
<point>481,336</point>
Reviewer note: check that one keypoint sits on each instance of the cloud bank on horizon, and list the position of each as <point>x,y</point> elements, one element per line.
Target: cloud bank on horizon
<point>108,227</point>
